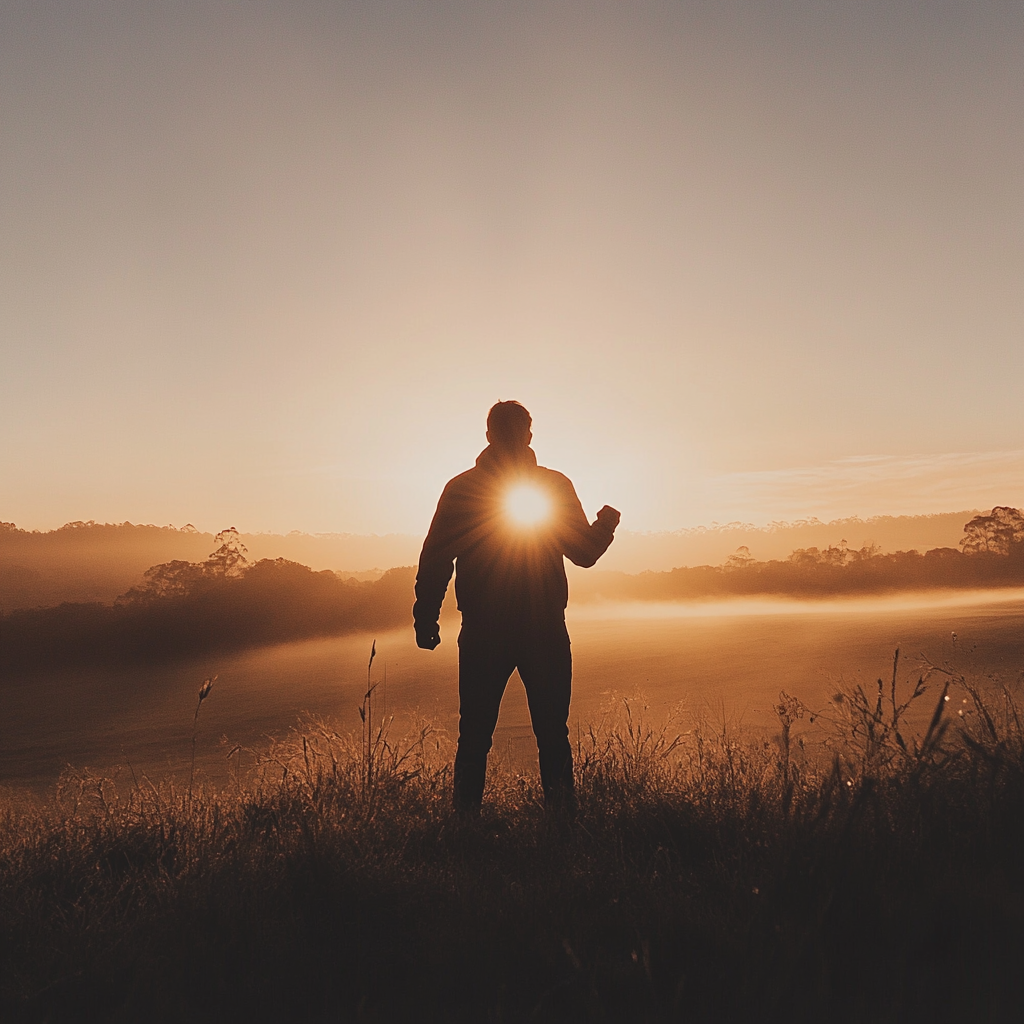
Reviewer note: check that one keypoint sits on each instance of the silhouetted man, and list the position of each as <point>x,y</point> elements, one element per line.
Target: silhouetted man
<point>505,526</point>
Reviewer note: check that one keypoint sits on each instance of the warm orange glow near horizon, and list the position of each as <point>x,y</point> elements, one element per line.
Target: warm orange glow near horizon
<point>269,265</point>
<point>526,505</point>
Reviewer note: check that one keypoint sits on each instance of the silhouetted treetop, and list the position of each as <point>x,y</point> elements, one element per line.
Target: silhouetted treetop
<point>231,557</point>
<point>179,578</point>
<point>740,558</point>
<point>1000,532</point>
<point>837,555</point>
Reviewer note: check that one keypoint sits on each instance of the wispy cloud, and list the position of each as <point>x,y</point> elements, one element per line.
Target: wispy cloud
<point>875,485</point>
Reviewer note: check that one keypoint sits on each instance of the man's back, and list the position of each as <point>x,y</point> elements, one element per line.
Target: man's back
<point>506,570</point>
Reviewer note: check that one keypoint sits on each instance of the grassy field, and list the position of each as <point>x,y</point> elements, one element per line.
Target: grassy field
<point>841,870</point>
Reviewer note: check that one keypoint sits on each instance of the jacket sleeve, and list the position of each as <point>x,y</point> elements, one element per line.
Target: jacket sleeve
<point>582,542</point>
<point>437,563</point>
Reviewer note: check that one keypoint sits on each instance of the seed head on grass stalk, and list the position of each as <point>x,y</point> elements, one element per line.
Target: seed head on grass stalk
<point>366,717</point>
<point>204,692</point>
<point>369,689</point>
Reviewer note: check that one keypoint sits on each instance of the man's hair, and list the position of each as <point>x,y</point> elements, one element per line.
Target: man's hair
<point>508,423</point>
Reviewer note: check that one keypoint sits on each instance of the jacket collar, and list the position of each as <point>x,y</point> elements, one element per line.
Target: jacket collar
<point>506,460</point>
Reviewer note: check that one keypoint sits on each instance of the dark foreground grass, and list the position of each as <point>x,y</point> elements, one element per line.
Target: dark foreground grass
<point>704,879</point>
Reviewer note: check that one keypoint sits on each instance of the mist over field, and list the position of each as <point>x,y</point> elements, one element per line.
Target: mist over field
<point>726,664</point>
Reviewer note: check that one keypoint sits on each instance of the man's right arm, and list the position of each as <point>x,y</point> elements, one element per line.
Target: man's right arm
<point>437,563</point>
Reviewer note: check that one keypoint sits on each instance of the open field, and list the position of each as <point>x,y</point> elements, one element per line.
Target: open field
<point>706,877</point>
<point>738,854</point>
<point>726,661</point>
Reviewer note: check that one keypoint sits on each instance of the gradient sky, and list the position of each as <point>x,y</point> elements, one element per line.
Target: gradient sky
<point>269,264</point>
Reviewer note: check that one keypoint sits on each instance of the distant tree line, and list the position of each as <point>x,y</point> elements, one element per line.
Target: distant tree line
<point>87,561</point>
<point>991,554</point>
<point>182,609</point>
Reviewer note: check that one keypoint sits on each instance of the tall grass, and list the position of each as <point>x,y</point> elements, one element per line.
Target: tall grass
<point>862,864</point>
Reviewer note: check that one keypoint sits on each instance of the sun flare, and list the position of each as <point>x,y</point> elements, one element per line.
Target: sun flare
<point>527,505</point>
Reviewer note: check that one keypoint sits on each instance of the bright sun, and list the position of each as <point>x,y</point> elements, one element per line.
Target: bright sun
<point>527,505</point>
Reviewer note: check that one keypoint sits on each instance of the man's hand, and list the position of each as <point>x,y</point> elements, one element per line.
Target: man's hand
<point>609,517</point>
<point>428,637</point>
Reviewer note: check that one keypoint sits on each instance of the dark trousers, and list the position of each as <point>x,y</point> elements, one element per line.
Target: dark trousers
<point>488,655</point>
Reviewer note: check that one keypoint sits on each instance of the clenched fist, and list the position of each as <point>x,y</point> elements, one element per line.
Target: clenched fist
<point>428,637</point>
<point>609,516</point>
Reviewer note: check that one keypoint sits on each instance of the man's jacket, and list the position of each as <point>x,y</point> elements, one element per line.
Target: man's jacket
<point>506,574</point>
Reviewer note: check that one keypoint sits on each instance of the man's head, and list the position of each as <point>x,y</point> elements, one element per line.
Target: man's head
<point>508,425</point>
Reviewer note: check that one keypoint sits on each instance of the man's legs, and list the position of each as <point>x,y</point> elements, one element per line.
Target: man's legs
<point>485,664</point>
<point>545,664</point>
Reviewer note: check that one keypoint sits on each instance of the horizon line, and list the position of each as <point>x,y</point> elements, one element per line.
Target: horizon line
<point>772,526</point>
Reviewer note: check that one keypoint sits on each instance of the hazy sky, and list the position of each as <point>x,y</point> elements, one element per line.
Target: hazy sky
<point>269,264</point>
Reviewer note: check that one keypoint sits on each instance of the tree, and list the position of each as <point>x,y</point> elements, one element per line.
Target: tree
<point>231,558</point>
<point>999,532</point>
<point>168,579</point>
<point>180,578</point>
<point>740,559</point>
